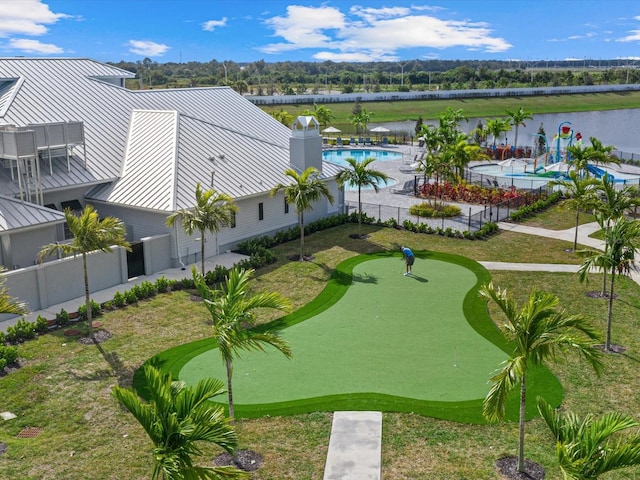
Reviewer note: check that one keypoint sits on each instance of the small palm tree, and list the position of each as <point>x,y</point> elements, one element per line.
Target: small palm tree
<point>233,311</point>
<point>212,211</point>
<point>177,418</point>
<point>496,127</point>
<point>591,447</point>
<point>537,332</point>
<point>460,153</point>
<point>359,174</point>
<point>89,234</point>
<point>517,118</point>
<point>304,189</point>
<point>582,193</point>
<point>621,239</point>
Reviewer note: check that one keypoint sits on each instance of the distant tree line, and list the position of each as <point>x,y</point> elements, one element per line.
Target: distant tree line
<point>295,78</point>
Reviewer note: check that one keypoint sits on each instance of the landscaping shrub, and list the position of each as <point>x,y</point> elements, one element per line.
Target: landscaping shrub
<point>539,205</point>
<point>8,354</point>
<point>3,338</point>
<point>130,297</point>
<point>95,310</point>
<point>147,289</point>
<point>22,330</point>
<point>424,209</point>
<point>42,326</point>
<point>163,284</point>
<point>62,318</point>
<point>119,300</point>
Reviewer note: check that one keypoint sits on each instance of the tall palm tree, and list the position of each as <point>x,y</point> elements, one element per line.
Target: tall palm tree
<point>581,155</point>
<point>305,189</point>
<point>212,211</point>
<point>517,118</point>
<point>177,418</point>
<point>233,311</point>
<point>621,239</point>
<point>537,332</point>
<point>582,196</point>
<point>360,120</point>
<point>323,114</point>
<point>359,174</point>
<point>9,305</point>
<point>602,153</point>
<point>591,447</point>
<point>89,234</point>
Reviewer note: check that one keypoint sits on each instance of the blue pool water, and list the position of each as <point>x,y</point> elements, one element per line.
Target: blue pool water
<point>339,157</point>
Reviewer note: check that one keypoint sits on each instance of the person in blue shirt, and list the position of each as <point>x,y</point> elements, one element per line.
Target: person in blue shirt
<point>409,258</point>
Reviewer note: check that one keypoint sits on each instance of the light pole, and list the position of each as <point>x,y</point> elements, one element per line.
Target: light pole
<point>402,72</point>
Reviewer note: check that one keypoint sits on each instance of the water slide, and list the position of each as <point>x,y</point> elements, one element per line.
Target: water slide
<point>599,172</point>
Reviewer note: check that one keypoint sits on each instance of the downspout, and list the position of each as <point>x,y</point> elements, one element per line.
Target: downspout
<point>184,267</point>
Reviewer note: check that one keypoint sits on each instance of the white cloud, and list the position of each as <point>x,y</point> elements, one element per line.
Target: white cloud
<point>211,25</point>
<point>633,36</point>
<point>375,33</point>
<point>34,46</point>
<point>26,17</point>
<point>147,48</point>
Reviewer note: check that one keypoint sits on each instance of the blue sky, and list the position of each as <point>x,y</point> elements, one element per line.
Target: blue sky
<point>336,30</point>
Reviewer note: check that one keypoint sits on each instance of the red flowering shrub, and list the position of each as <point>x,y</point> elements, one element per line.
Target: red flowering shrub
<point>467,193</point>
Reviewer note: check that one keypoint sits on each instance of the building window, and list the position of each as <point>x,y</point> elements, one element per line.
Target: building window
<point>261,211</point>
<point>286,206</point>
<point>232,224</point>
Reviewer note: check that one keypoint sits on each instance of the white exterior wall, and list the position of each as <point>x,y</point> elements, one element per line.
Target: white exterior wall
<point>26,245</point>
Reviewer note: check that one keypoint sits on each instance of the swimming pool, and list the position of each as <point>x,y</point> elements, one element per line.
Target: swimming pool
<point>521,177</point>
<point>339,157</point>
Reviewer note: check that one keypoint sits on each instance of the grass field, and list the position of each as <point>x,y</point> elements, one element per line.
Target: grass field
<point>472,107</point>
<point>65,387</point>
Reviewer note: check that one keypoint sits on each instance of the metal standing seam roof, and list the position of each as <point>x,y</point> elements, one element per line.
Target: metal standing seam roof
<point>168,154</point>
<point>16,215</point>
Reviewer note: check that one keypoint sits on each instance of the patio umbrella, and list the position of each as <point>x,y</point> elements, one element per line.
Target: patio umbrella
<point>380,129</point>
<point>560,167</point>
<point>331,130</point>
<point>513,162</point>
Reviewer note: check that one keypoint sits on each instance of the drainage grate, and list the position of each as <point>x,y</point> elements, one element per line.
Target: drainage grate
<point>30,432</point>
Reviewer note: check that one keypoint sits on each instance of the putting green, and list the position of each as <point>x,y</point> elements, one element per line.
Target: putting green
<point>375,339</point>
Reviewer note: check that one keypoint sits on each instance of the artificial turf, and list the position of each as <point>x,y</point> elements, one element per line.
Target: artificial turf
<point>377,340</point>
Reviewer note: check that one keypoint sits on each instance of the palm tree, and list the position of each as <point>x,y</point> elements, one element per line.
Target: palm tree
<point>177,418</point>
<point>304,189</point>
<point>359,174</point>
<point>361,120</point>
<point>496,127</point>
<point>596,153</point>
<point>620,239</point>
<point>233,311</point>
<point>590,447</point>
<point>460,153</point>
<point>323,114</point>
<point>601,153</point>
<point>612,204</point>
<point>212,211</point>
<point>582,193</point>
<point>89,234</point>
<point>9,305</point>
<point>517,118</point>
<point>537,332</point>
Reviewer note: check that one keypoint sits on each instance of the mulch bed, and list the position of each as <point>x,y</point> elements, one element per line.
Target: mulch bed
<point>599,294</point>
<point>100,336</point>
<point>508,468</point>
<point>613,348</point>
<point>362,236</point>
<point>306,258</point>
<point>246,460</point>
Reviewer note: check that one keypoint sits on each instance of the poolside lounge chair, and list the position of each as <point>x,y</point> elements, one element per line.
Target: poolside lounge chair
<point>367,141</point>
<point>360,141</point>
<point>325,142</point>
<point>385,141</point>
<point>495,183</point>
<point>352,141</point>
<point>338,142</point>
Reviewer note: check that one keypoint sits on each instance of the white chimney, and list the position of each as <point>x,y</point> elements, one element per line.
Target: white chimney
<point>305,144</point>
